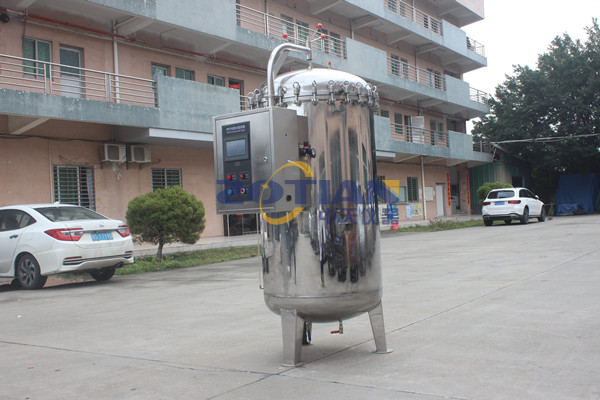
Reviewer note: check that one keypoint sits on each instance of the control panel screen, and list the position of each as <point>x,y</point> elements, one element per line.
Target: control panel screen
<point>236,148</point>
<point>236,141</point>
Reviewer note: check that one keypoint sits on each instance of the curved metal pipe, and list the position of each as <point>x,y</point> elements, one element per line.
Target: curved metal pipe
<point>274,59</point>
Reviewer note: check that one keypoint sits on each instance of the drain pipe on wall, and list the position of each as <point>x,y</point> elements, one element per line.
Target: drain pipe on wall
<point>423,189</point>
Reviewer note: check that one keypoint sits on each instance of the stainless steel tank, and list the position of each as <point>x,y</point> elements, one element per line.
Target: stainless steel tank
<point>324,265</point>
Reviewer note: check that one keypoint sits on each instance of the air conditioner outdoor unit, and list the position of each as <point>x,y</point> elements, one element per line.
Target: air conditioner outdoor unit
<point>139,154</point>
<point>114,153</point>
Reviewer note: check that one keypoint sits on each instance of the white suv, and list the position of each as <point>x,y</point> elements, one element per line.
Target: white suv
<point>512,203</point>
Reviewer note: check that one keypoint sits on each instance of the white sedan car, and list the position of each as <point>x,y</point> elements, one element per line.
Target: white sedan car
<point>512,204</point>
<point>46,239</point>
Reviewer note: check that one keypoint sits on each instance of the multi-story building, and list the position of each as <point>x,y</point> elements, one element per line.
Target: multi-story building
<point>102,100</point>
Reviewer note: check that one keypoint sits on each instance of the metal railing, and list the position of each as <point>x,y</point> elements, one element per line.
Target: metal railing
<point>244,103</point>
<point>407,133</point>
<point>296,33</point>
<point>479,96</point>
<point>482,147</point>
<point>65,80</point>
<point>476,47</point>
<point>415,74</point>
<point>407,11</point>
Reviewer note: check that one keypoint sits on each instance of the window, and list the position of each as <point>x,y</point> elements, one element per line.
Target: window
<point>36,50</point>
<point>413,189</point>
<point>405,67</point>
<point>288,26</point>
<point>438,79</point>
<point>216,80</point>
<point>398,128</point>
<point>384,113</point>
<point>184,74</point>
<point>395,64</point>
<point>302,32</point>
<point>323,45</point>
<point>440,133</point>
<point>74,185</point>
<point>336,44</point>
<point>158,69</point>
<point>432,126</point>
<point>165,177</point>
<point>11,220</point>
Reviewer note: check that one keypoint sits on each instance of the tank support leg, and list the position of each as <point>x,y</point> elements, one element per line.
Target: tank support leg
<point>293,328</point>
<point>376,317</point>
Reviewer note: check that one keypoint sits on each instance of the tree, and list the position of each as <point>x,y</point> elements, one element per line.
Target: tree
<point>550,116</point>
<point>165,216</point>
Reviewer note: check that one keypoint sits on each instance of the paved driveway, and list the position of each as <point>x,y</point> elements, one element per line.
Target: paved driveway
<point>502,312</point>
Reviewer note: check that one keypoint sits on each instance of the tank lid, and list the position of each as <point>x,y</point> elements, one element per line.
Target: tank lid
<point>319,84</point>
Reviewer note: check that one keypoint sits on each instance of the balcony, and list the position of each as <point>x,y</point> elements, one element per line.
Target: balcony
<point>50,78</point>
<point>415,15</point>
<point>407,133</point>
<point>166,111</point>
<point>414,74</point>
<point>399,143</point>
<point>475,46</point>
<point>292,32</point>
<point>479,96</point>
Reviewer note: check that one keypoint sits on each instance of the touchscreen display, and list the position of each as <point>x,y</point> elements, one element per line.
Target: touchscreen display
<point>235,148</point>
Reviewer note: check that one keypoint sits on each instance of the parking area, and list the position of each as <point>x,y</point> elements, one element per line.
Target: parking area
<point>501,312</point>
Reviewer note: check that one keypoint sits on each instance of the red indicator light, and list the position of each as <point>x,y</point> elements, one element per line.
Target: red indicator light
<point>514,202</point>
<point>229,177</point>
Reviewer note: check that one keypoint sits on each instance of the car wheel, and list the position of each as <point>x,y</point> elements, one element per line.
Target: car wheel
<point>488,222</point>
<point>525,217</point>
<point>103,274</point>
<point>542,216</point>
<point>28,273</point>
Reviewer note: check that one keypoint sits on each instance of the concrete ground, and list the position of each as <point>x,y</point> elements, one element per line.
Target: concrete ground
<point>502,312</point>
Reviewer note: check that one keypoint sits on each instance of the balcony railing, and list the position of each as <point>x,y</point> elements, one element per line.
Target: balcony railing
<point>412,73</point>
<point>475,47</point>
<point>59,79</point>
<point>296,33</point>
<point>482,147</point>
<point>407,133</point>
<point>415,15</point>
<point>479,96</point>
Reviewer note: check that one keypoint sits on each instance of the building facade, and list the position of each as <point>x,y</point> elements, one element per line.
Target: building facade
<point>103,100</point>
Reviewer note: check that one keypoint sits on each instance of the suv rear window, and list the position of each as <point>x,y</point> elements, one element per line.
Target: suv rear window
<point>56,214</point>
<point>501,194</point>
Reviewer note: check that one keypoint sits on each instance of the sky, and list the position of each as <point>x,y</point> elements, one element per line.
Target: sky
<point>516,32</point>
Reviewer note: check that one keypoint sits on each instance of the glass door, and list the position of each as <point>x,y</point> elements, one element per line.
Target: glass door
<point>71,77</point>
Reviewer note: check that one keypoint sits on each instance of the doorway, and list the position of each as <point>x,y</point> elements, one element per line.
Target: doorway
<point>439,199</point>
<point>70,72</point>
<point>240,224</point>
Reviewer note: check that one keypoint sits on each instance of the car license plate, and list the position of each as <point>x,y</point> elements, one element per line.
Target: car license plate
<point>101,236</point>
<point>499,203</point>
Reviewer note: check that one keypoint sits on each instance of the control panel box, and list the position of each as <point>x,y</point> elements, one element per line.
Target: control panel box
<point>253,150</point>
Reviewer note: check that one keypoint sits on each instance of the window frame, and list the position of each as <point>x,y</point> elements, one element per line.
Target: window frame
<point>210,77</point>
<point>157,67</point>
<point>31,68</point>
<point>184,72</point>
<point>412,189</point>
<point>76,193</point>
<point>165,183</point>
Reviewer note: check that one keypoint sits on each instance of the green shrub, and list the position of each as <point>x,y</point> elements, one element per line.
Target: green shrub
<point>165,216</point>
<point>484,189</point>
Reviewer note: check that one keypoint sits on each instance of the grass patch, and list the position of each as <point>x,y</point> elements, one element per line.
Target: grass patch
<point>436,225</point>
<point>184,260</point>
